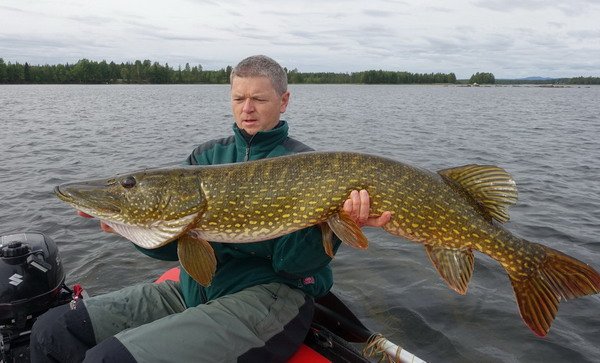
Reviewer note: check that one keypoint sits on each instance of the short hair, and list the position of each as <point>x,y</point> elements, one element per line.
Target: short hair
<point>262,66</point>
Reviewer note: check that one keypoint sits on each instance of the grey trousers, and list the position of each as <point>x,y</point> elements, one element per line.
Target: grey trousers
<point>151,321</point>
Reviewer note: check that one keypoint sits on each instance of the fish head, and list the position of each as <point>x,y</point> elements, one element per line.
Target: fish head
<point>149,207</point>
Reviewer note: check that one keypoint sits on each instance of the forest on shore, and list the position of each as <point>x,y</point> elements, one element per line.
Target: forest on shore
<point>147,72</point>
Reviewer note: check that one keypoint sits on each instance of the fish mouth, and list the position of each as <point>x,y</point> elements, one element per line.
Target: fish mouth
<point>86,202</point>
<point>60,194</point>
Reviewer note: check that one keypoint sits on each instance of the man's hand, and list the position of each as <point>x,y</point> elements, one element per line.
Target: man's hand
<point>358,205</point>
<point>105,227</point>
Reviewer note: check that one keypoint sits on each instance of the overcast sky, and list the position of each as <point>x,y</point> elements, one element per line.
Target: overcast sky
<point>510,38</point>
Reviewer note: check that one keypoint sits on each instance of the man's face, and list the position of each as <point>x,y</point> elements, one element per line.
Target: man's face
<point>255,103</point>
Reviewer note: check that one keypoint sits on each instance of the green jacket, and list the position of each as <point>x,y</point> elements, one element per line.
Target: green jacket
<point>297,259</point>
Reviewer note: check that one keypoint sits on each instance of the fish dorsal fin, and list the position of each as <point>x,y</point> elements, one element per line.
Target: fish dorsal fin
<point>454,265</point>
<point>491,186</point>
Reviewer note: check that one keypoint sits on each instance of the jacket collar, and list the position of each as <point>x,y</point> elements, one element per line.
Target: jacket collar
<point>262,142</point>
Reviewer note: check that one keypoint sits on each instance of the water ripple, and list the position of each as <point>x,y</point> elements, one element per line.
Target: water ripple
<point>546,138</point>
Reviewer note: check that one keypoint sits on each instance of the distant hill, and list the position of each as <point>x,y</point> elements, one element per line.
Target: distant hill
<point>537,78</point>
<point>532,80</point>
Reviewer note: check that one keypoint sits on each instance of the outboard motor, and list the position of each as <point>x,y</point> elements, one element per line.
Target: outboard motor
<point>31,281</point>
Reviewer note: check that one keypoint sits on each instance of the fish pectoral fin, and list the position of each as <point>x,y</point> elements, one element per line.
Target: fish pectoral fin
<point>327,235</point>
<point>454,265</point>
<point>347,230</point>
<point>491,186</point>
<point>197,258</point>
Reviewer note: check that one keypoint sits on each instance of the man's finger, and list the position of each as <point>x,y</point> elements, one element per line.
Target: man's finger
<point>365,205</point>
<point>84,215</point>
<point>348,206</point>
<point>379,221</point>
<point>106,228</point>
<point>355,197</point>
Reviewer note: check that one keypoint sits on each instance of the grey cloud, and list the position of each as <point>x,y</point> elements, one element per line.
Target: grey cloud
<point>154,32</point>
<point>48,49</point>
<point>377,13</point>
<point>374,31</point>
<point>468,45</point>
<point>17,10</point>
<point>322,42</point>
<point>440,9</point>
<point>49,42</point>
<point>510,5</point>
<point>227,7</point>
<point>305,34</point>
<point>373,40</point>
<point>204,2</point>
<point>556,24</point>
<point>241,28</point>
<point>185,38</point>
<point>585,35</point>
<point>92,20</point>
<point>572,7</point>
<point>306,15</point>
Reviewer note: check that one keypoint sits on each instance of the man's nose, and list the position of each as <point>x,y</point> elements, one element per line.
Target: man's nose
<point>248,106</point>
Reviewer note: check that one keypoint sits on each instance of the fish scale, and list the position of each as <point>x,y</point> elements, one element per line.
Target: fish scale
<point>451,212</point>
<point>307,202</point>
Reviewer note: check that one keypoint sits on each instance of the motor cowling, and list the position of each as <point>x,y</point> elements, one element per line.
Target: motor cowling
<point>31,276</point>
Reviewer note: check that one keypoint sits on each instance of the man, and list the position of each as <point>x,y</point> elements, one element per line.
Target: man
<point>260,303</point>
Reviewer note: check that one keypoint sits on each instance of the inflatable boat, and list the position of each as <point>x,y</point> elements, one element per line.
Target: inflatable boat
<point>32,280</point>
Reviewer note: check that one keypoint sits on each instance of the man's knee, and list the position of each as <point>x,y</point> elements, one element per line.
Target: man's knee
<point>283,345</point>
<point>110,350</point>
<point>61,334</point>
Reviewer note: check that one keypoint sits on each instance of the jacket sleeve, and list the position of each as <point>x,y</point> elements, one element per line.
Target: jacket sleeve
<point>167,252</point>
<point>301,253</point>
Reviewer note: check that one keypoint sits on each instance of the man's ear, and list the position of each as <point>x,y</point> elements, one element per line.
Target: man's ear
<point>285,98</point>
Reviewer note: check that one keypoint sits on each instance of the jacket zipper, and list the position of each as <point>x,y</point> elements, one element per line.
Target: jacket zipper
<point>248,143</point>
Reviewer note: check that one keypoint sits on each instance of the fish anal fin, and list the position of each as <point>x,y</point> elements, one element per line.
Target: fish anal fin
<point>197,257</point>
<point>347,230</point>
<point>327,235</point>
<point>557,277</point>
<point>454,265</point>
<point>490,186</point>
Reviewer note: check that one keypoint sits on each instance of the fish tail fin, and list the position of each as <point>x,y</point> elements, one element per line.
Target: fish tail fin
<point>558,276</point>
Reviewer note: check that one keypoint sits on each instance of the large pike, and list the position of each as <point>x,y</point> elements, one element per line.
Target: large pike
<point>452,212</point>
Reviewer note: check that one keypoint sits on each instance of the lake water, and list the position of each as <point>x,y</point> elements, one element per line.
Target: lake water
<point>547,138</point>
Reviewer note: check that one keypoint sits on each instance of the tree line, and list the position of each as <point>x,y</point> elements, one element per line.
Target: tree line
<point>92,72</point>
<point>369,77</point>
<point>140,72</point>
<point>483,78</point>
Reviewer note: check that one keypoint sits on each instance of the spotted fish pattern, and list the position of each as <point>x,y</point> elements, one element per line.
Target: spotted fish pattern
<point>451,212</point>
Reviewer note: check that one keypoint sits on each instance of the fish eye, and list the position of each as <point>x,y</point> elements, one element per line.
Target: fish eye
<point>128,182</point>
